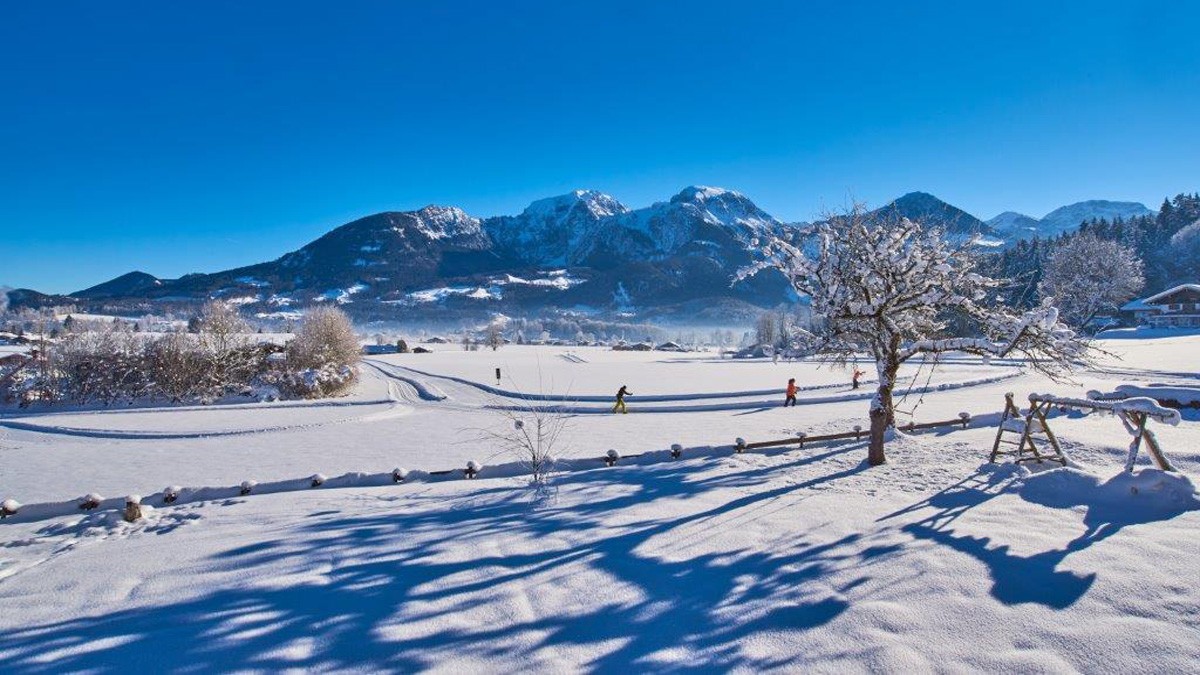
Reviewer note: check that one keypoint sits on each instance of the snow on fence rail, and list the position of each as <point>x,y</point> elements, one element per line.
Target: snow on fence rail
<point>964,419</point>
<point>1165,395</point>
<point>13,511</point>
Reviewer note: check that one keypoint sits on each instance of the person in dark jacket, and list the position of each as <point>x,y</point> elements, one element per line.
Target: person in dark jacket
<point>791,393</point>
<point>621,394</point>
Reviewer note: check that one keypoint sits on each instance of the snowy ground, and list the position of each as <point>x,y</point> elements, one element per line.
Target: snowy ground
<point>788,559</point>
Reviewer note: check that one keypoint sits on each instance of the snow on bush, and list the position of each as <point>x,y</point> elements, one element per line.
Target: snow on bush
<point>112,364</point>
<point>322,358</point>
<point>9,507</point>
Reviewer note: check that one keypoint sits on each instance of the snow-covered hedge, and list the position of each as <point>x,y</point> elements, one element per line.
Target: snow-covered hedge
<point>114,364</point>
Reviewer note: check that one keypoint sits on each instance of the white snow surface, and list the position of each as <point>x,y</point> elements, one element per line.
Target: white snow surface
<point>786,559</point>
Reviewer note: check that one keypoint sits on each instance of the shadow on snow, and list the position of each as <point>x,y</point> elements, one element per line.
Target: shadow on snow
<point>379,573</point>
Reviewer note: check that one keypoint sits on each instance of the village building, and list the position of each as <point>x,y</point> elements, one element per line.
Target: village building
<point>1177,307</point>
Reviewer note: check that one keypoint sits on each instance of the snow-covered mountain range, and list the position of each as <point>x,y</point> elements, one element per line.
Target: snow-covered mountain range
<point>1012,226</point>
<point>583,250</point>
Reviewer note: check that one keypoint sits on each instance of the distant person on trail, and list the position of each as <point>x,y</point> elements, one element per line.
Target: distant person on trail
<point>621,394</point>
<point>791,393</point>
<point>854,380</point>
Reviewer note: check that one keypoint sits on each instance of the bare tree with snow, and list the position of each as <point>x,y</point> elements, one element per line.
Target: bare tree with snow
<point>766,331</point>
<point>494,335</point>
<point>1088,275</point>
<point>888,285</point>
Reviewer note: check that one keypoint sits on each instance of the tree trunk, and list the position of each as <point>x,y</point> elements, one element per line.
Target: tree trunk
<point>875,455</point>
<point>883,415</point>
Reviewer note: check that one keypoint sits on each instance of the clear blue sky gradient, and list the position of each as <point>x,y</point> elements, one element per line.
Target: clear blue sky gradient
<point>175,137</point>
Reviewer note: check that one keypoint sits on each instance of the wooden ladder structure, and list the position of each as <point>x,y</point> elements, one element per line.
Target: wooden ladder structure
<point>1135,423</point>
<point>1026,427</point>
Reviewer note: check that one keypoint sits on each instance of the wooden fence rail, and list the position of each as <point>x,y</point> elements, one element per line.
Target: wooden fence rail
<point>963,420</point>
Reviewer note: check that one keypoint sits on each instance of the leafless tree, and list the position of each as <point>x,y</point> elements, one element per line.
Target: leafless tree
<point>1088,275</point>
<point>886,285</point>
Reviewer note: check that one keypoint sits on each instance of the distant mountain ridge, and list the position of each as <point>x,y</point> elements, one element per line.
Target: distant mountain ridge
<point>924,206</point>
<point>584,251</point>
<point>1017,226</point>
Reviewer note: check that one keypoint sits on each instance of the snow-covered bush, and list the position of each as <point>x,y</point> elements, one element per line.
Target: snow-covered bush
<point>107,365</point>
<point>111,363</point>
<point>322,358</point>
<point>889,286</point>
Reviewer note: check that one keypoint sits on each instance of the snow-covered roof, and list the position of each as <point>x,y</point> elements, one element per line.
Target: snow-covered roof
<point>1137,306</point>
<point>1171,291</point>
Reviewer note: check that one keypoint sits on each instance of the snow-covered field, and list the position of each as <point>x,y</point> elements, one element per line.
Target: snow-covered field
<point>788,559</point>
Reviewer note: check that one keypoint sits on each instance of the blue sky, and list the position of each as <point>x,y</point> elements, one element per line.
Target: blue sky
<point>175,137</point>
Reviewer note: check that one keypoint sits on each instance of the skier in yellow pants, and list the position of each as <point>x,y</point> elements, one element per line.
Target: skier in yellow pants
<point>621,394</point>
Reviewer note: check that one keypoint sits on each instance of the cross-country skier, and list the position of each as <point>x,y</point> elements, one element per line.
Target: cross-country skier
<point>621,394</point>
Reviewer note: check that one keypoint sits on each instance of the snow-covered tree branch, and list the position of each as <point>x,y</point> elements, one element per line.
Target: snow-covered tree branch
<point>892,287</point>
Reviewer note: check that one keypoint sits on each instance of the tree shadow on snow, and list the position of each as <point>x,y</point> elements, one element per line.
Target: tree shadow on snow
<point>1036,578</point>
<point>360,581</point>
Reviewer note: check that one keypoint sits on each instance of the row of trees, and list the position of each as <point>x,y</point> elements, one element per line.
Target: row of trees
<point>114,364</point>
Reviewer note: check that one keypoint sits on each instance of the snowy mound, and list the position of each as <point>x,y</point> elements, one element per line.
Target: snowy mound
<point>1128,497</point>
